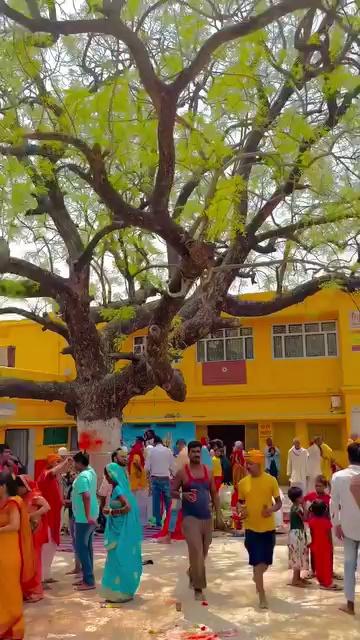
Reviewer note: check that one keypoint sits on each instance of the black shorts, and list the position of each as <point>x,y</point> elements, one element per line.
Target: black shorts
<point>260,547</point>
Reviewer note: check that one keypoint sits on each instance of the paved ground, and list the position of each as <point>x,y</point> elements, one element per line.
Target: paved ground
<point>303,615</point>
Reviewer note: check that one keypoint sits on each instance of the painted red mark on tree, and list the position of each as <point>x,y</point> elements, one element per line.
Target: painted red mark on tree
<point>90,442</point>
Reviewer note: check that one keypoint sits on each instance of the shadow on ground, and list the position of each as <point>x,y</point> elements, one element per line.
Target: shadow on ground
<point>309,614</point>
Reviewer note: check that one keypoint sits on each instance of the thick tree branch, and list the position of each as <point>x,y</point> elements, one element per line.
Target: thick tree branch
<point>113,27</point>
<point>235,31</point>
<point>45,320</point>
<point>123,212</point>
<point>247,309</point>
<point>20,289</point>
<point>50,391</point>
<point>24,150</point>
<point>288,230</point>
<point>166,167</point>
<point>61,217</point>
<point>124,355</point>
<point>88,253</point>
<point>53,204</point>
<point>49,282</point>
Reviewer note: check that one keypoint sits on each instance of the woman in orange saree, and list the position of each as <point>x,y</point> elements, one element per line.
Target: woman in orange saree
<point>37,508</point>
<point>17,566</point>
<point>237,460</point>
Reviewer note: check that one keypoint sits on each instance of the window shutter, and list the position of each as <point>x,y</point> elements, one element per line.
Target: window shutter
<point>11,356</point>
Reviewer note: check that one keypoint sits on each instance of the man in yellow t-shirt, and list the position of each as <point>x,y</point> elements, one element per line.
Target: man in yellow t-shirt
<point>259,498</point>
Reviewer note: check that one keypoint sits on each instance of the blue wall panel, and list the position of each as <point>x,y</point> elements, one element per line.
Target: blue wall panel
<point>170,431</point>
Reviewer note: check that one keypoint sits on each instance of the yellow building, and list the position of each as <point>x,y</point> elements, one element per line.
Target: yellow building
<point>294,373</point>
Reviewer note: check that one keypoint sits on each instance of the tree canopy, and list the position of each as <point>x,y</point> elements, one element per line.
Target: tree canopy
<point>158,157</point>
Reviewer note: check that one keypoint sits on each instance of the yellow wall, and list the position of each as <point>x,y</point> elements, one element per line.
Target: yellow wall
<point>36,349</point>
<point>272,385</point>
<point>292,396</point>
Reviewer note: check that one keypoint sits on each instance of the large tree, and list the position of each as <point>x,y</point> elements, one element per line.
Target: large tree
<point>156,156</point>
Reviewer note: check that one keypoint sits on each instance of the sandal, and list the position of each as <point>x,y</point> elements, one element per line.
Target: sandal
<point>85,587</point>
<point>50,581</point>
<point>333,587</point>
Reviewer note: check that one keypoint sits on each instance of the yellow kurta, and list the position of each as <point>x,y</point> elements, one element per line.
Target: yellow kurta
<point>326,458</point>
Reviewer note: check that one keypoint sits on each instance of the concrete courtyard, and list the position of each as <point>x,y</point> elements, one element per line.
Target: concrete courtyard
<point>310,614</point>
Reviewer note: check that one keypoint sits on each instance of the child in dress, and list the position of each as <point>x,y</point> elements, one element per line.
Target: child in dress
<point>321,544</point>
<point>297,543</point>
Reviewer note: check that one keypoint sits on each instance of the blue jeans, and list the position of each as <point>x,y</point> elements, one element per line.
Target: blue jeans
<point>175,508</point>
<point>84,550</point>
<point>351,550</point>
<point>160,489</point>
<point>72,533</point>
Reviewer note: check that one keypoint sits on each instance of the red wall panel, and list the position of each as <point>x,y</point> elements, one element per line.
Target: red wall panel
<point>217,373</point>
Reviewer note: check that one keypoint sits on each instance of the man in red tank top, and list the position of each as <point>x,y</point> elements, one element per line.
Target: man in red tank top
<point>195,484</point>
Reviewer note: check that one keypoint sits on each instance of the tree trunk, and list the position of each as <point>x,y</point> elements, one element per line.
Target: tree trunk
<point>99,438</point>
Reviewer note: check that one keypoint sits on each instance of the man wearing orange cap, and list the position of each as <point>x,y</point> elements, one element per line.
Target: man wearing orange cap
<point>49,486</point>
<point>259,499</point>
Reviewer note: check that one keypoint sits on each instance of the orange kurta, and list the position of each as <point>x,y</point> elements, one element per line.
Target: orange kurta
<point>16,569</point>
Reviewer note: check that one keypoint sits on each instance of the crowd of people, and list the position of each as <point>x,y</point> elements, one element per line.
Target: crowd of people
<point>179,493</point>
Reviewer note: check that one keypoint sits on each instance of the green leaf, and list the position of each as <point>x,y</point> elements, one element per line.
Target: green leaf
<point>21,198</point>
<point>132,8</point>
<point>123,314</point>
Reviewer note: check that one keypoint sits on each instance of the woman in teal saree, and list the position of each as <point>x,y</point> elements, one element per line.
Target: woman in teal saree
<point>123,537</point>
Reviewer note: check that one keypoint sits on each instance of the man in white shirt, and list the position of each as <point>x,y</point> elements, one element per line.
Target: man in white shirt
<point>297,465</point>
<point>160,467</point>
<point>314,464</point>
<point>345,516</point>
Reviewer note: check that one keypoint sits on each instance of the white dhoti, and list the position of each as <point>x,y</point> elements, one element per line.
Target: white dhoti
<point>47,556</point>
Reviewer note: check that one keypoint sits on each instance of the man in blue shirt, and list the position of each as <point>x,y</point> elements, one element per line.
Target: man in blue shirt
<point>86,510</point>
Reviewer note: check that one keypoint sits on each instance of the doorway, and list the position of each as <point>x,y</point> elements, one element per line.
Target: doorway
<point>228,433</point>
<point>18,441</point>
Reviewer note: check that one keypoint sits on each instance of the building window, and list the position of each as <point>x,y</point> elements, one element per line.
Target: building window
<point>56,436</point>
<point>310,340</point>
<point>139,345</point>
<point>226,345</point>
<point>7,356</point>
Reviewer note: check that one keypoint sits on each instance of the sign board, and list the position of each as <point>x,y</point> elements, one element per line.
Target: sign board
<point>7,410</point>
<point>355,320</point>
<point>265,431</point>
<point>355,341</point>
